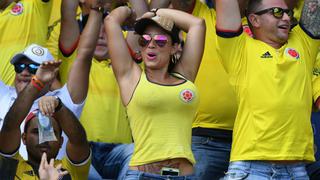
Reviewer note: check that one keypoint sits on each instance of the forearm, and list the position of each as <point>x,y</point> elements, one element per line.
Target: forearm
<point>228,15</point>
<point>90,35</point>
<point>310,17</point>
<point>139,6</point>
<point>77,145</point>
<point>183,20</point>
<point>69,33</point>
<point>10,134</point>
<point>78,80</point>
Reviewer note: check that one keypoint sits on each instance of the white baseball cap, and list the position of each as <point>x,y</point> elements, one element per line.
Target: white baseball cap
<point>35,53</point>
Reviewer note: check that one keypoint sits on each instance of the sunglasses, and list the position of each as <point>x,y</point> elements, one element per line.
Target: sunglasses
<point>276,12</point>
<point>32,68</point>
<point>160,40</point>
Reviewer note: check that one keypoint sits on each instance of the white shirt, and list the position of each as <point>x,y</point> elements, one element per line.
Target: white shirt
<point>8,95</point>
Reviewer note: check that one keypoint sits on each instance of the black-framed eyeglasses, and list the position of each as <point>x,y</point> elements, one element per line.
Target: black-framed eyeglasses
<point>32,68</point>
<point>277,12</point>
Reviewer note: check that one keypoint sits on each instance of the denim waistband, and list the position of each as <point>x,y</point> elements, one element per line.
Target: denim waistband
<point>266,166</point>
<point>143,175</point>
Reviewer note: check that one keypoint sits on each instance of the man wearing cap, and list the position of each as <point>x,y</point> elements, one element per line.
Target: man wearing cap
<point>73,93</point>
<point>77,160</point>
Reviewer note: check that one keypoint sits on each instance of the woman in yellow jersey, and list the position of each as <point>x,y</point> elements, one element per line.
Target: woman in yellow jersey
<point>161,99</point>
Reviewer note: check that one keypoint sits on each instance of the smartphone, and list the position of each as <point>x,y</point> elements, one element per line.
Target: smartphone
<point>169,171</point>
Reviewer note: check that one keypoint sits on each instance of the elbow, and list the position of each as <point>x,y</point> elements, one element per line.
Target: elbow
<point>200,23</point>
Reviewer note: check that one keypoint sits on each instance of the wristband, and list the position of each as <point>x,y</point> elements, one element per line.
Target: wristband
<point>37,83</point>
<point>59,106</point>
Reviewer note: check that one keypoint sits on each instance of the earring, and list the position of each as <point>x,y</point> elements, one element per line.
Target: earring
<point>174,58</point>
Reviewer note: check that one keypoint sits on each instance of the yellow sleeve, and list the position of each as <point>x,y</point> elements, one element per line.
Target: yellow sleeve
<point>230,48</point>
<point>77,171</point>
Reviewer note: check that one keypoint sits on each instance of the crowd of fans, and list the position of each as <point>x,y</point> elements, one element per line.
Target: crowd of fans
<point>159,89</point>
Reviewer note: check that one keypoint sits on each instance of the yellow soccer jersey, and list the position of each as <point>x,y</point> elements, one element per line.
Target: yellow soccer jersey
<point>274,91</point>
<point>161,119</point>
<point>21,24</point>
<point>218,104</point>
<point>103,115</point>
<point>79,172</point>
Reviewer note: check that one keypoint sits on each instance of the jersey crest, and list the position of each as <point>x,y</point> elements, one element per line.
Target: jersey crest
<point>187,95</point>
<point>17,9</point>
<point>292,53</point>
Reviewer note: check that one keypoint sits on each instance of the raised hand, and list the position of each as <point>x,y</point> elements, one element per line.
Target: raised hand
<point>48,171</point>
<point>47,105</point>
<point>48,71</point>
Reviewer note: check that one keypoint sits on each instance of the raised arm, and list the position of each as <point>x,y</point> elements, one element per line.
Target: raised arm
<point>69,32</point>
<point>126,71</point>
<point>139,7</point>
<point>10,134</point>
<point>78,79</point>
<point>195,28</point>
<point>77,146</point>
<point>228,15</point>
<point>310,17</point>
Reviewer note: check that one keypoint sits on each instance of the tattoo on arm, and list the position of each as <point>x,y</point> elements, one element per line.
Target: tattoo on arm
<point>310,17</point>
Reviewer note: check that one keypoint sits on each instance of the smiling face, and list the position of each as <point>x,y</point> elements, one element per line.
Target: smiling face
<point>156,55</point>
<point>268,28</point>
<point>31,139</point>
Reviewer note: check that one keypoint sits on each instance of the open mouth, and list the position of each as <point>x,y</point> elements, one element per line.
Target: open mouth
<point>151,56</point>
<point>285,27</point>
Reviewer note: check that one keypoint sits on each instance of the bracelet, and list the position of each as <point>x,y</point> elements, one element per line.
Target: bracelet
<point>99,9</point>
<point>155,10</point>
<point>59,104</point>
<point>37,83</point>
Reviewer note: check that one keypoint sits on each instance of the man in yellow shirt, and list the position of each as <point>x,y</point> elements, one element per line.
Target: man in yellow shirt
<point>272,75</point>
<point>77,160</point>
<point>21,23</point>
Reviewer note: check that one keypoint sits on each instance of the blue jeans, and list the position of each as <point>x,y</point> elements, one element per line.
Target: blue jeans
<point>139,175</point>
<point>111,160</point>
<point>257,170</point>
<point>212,157</point>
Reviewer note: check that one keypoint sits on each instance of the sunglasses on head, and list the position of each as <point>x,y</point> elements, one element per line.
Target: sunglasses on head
<point>276,12</point>
<point>160,40</point>
<point>32,68</point>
